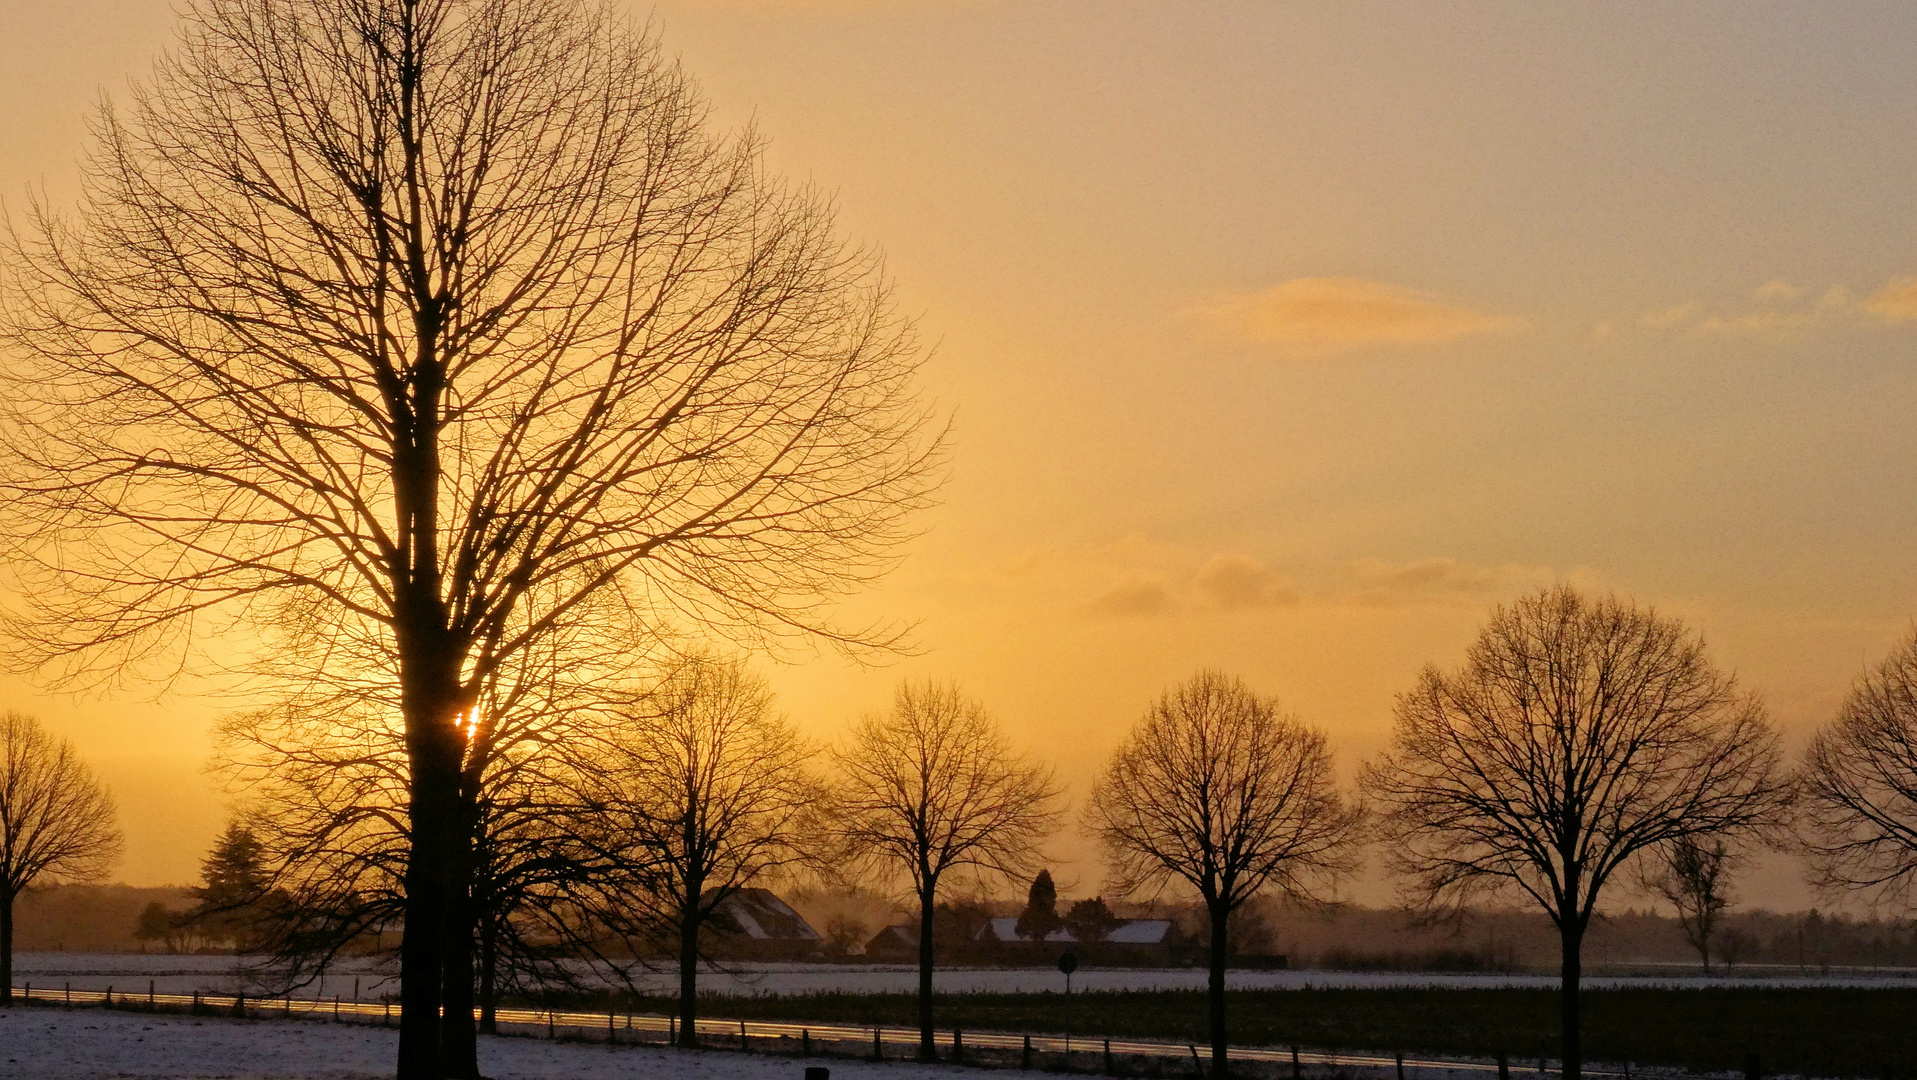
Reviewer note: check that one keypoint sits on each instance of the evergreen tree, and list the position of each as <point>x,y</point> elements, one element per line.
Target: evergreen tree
<point>1092,920</point>
<point>1040,916</point>
<point>230,903</point>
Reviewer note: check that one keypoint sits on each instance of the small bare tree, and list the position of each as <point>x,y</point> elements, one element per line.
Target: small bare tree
<point>324,775</point>
<point>1692,874</point>
<point>930,791</point>
<point>1221,791</point>
<point>1578,735</point>
<point>449,320</point>
<point>56,822</point>
<point>1860,784</point>
<point>713,790</point>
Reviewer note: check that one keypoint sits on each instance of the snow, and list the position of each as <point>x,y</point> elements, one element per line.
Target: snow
<point>130,972</point>
<point>1140,932</point>
<point>1130,932</point>
<point>55,1044</point>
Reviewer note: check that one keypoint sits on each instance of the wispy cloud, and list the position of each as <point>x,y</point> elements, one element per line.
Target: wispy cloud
<point>1896,302</point>
<point>1134,598</point>
<point>1781,309</point>
<point>1315,316</point>
<point>1234,582</point>
<point>1137,579</point>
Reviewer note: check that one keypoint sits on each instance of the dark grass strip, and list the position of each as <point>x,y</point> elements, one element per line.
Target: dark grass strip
<point>1820,1031</point>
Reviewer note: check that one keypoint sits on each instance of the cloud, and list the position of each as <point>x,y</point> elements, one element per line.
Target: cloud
<point>1136,598</point>
<point>1329,315</point>
<point>1425,575</point>
<point>1782,309</point>
<point>1665,318</point>
<point>1778,292</point>
<point>1445,580</point>
<point>1896,302</point>
<point>1236,582</point>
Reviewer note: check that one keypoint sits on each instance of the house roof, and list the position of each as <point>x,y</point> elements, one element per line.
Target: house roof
<point>1140,932</point>
<point>898,934</point>
<point>1007,930</point>
<point>1129,932</point>
<point>762,916</point>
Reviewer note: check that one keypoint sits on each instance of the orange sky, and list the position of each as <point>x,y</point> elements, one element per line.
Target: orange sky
<point>1289,338</point>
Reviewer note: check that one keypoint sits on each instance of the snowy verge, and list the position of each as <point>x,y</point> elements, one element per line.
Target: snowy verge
<point>55,1044</point>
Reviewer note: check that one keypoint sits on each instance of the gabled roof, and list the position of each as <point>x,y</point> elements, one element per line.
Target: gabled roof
<point>1140,932</point>
<point>1130,932</point>
<point>1007,930</point>
<point>898,935</point>
<point>762,916</point>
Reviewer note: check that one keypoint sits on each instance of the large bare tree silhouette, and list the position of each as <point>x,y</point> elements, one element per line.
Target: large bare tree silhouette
<point>1222,792</point>
<point>447,321</point>
<point>1579,736</point>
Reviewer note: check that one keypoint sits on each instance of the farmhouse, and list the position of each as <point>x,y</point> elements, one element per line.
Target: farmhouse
<point>894,944</point>
<point>754,924</point>
<point>1134,941</point>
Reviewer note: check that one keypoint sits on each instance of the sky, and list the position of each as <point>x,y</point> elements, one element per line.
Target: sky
<point>1289,339</point>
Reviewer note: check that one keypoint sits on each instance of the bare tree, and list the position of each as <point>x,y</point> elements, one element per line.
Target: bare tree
<point>56,822</point>
<point>441,318</point>
<point>1578,735</point>
<point>1692,874</point>
<point>713,790</point>
<point>324,773</point>
<point>930,791</point>
<point>1860,784</point>
<point>1219,790</point>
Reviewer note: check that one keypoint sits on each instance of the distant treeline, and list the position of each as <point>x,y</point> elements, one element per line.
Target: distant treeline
<point>104,918</point>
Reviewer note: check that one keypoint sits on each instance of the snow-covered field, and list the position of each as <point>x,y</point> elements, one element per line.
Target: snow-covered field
<point>131,972</point>
<point>53,1044</point>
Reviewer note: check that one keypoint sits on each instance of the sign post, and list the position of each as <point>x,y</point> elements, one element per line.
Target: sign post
<point>1068,963</point>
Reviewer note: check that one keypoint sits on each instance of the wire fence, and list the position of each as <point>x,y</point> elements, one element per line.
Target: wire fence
<point>1075,1053</point>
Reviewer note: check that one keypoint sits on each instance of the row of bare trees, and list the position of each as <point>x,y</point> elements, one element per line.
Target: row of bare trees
<point>439,351</point>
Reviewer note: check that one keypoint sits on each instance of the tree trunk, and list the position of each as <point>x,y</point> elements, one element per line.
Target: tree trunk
<point>459,1040</point>
<point>489,980</point>
<point>1570,1011</point>
<point>1215,993</point>
<point>422,956</point>
<point>6,947</point>
<point>689,966</point>
<point>429,687</point>
<point>928,1051</point>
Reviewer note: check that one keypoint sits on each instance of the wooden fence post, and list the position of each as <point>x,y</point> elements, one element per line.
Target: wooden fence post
<point>1197,1061</point>
<point>878,1052</point>
<point>1109,1069</point>
<point>1025,1057</point>
<point>1297,1070</point>
<point>805,1042</point>
<point>1752,1069</point>
<point>1504,1066</point>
